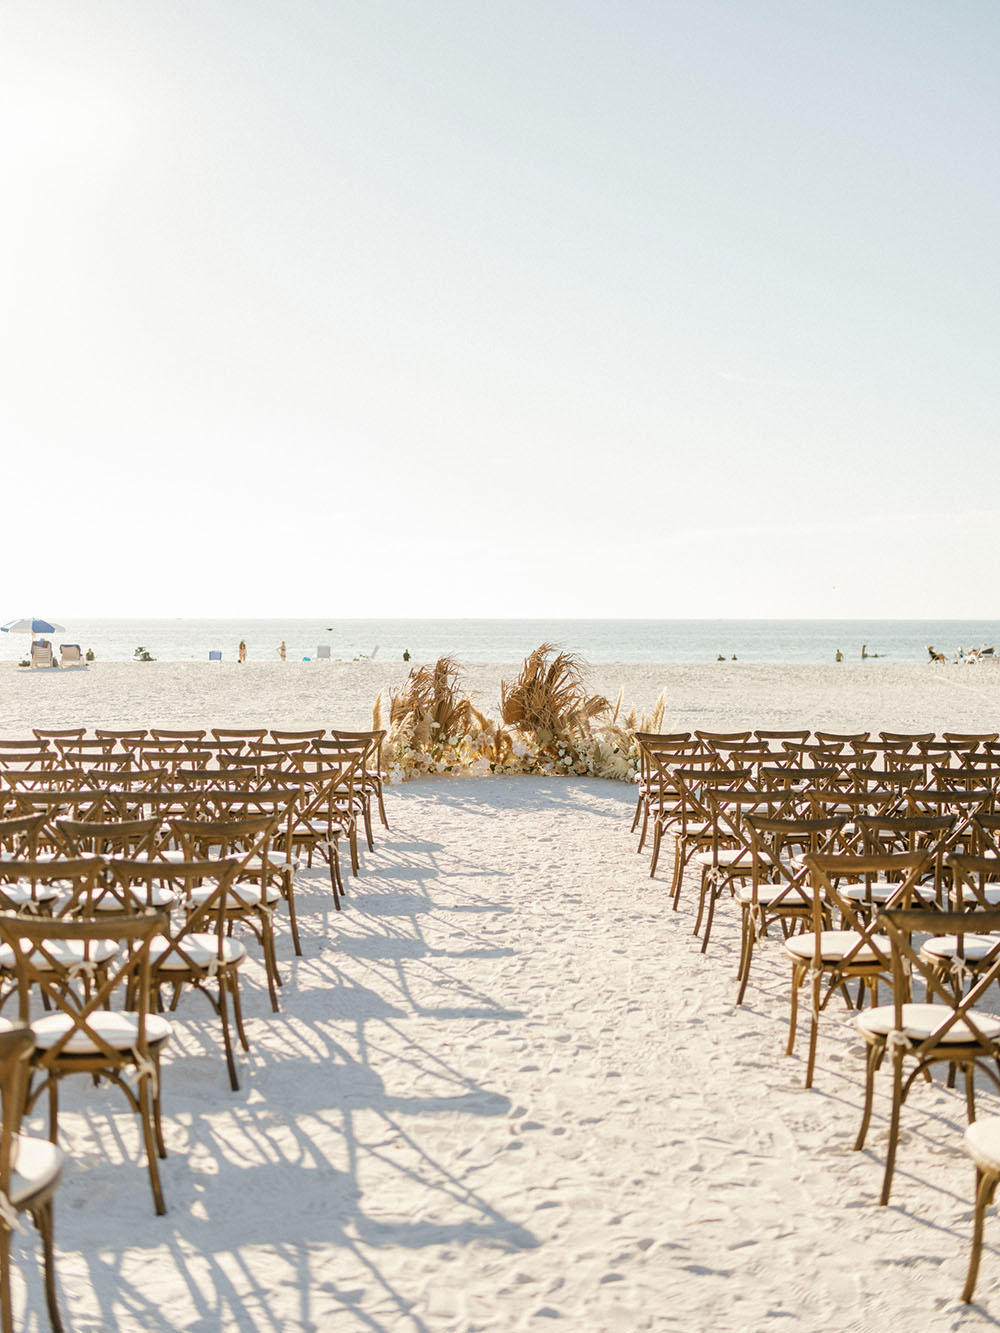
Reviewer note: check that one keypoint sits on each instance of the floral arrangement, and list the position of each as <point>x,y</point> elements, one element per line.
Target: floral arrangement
<point>549,725</point>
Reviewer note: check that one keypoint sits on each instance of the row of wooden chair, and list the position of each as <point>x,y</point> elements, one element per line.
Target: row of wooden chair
<point>124,873</point>
<point>875,882</point>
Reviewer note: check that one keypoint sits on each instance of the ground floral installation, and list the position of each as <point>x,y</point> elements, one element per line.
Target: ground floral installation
<point>549,724</point>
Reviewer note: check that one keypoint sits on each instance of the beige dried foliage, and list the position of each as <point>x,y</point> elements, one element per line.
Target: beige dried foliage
<point>377,712</point>
<point>432,705</point>
<point>549,700</point>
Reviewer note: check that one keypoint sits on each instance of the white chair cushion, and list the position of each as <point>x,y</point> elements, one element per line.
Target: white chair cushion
<point>974,947</point>
<point>117,1027</point>
<point>990,892</point>
<point>21,894</point>
<point>726,857</point>
<point>835,945</point>
<point>240,895</point>
<point>781,894</point>
<point>65,953</point>
<point>879,891</point>
<point>921,1020</point>
<point>201,948</point>
<point>157,895</point>
<point>36,1167</point>
<point>982,1143</point>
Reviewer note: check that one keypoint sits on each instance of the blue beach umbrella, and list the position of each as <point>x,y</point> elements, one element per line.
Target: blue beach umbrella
<point>32,626</point>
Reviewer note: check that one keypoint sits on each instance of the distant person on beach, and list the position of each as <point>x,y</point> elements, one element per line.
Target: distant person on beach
<point>282,650</point>
<point>839,656</point>
<point>89,655</point>
<point>864,651</point>
<point>935,655</point>
<point>242,651</point>
<point>720,658</point>
<point>406,654</point>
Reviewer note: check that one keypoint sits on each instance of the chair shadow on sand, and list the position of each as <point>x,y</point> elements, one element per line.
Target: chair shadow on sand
<point>250,1170</point>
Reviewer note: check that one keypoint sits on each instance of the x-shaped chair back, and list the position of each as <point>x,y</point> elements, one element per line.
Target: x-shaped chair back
<point>124,837</point>
<point>887,834</point>
<point>829,873</point>
<point>909,965</point>
<point>974,882</point>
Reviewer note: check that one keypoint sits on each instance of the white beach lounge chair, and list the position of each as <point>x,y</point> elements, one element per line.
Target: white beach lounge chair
<point>41,655</point>
<point>71,656</point>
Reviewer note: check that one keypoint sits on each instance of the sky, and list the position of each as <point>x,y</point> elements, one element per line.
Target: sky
<point>500,308</point>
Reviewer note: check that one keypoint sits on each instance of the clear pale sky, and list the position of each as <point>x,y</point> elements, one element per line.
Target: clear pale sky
<point>500,307</point>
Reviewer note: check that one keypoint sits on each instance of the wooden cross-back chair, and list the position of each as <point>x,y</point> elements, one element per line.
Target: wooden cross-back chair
<point>910,737</point>
<point>884,835</point>
<point>252,897</point>
<point>656,794</point>
<point>308,734</point>
<point>708,736</point>
<point>973,887</point>
<point>945,1027</point>
<point>81,1033</point>
<point>779,890</point>
<point>59,733</point>
<point>686,817</point>
<point>843,739</point>
<point>978,737</point>
<point>371,762</point>
<point>32,746</point>
<point>727,863</point>
<point>829,958</point>
<point>275,802</point>
<point>775,737</point>
<point>194,948</point>
<point>118,837</point>
<point>348,796</point>
<point>43,888</point>
<point>239,733</point>
<point>30,1170</point>
<point>178,734</point>
<point>120,734</point>
<point>315,822</point>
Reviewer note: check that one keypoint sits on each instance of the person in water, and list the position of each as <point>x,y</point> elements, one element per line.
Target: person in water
<point>839,656</point>
<point>242,650</point>
<point>282,650</point>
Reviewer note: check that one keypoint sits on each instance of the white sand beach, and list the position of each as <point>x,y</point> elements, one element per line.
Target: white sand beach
<point>723,695</point>
<point>506,1091</point>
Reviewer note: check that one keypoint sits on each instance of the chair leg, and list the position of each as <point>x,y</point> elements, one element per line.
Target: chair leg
<point>657,839</point>
<point>53,1110</point>
<point>897,1107</point>
<point>746,952</point>
<point>793,1017</point>
<point>817,982</point>
<point>872,1061</point>
<point>42,1217</point>
<point>986,1185</point>
<point>234,1081</point>
<point>381,806</point>
<point>146,1115</point>
<point>238,1010</point>
<point>6,1312</point>
<point>157,1099</point>
<point>288,888</point>
<point>970,1091</point>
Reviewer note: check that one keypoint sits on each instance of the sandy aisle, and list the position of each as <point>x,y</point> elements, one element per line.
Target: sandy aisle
<point>724,695</point>
<point>507,1092</point>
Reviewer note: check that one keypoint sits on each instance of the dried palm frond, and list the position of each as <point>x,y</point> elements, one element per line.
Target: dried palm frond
<point>431,706</point>
<point>377,712</point>
<point>549,700</point>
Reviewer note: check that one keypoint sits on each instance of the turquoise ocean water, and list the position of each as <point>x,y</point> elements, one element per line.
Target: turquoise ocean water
<point>510,640</point>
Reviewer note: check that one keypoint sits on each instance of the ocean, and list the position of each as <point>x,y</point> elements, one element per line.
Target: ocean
<point>790,641</point>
